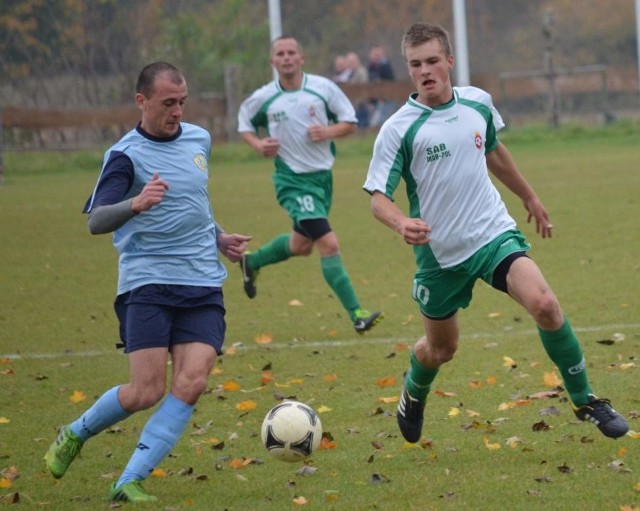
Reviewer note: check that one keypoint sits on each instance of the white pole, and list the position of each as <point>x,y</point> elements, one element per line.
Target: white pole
<point>461,49</point>
<point>275,25</point>
<point>638,38</point>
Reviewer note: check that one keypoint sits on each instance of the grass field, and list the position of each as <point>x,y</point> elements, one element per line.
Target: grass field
<point>480,451</point>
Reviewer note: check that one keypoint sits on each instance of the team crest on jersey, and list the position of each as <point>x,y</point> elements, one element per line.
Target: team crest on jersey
<point>201,162</point>
<point>478,140</point>
<point>312,111</point>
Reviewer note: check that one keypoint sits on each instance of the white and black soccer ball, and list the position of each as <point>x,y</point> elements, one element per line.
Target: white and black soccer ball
<point>291,431</point>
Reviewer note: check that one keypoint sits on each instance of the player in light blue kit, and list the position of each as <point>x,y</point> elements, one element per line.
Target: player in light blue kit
<point>152,194</point>
<point>301,114</point>
<point>442,143</point>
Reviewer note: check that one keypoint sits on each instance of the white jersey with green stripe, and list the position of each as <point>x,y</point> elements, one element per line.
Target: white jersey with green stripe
<point>440,154</point>
<point>287,115</point>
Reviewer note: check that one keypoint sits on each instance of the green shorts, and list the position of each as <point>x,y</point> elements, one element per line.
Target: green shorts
<point>441,292</point>
<point>304,196</point>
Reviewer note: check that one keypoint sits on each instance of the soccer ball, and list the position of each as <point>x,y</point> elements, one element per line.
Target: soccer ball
<point>291,431</point>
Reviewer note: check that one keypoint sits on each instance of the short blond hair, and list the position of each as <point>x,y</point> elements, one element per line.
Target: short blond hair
<point>420,33</point>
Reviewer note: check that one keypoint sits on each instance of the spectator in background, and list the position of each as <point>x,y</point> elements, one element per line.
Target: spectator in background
<point>379,65</point>
<point>342,72</point>
<point>379,69</point>
<point>358,73</point>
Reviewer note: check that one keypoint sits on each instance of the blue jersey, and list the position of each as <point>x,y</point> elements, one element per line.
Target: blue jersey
<point>174,242</point>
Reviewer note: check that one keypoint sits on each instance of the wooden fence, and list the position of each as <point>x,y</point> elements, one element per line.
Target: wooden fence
<point>32,129</point>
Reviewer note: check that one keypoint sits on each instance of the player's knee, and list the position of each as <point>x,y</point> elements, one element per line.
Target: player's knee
<point>445,354</point>
<point>304,250</point>
<point>189,389</point>
<point>546,310</point>
<point>142,399</point>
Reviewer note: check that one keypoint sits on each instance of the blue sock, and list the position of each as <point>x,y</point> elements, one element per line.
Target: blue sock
<point>105,412</point>
<point>159,435</point>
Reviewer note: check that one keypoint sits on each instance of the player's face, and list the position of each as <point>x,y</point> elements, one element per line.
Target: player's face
<point>163,109</point>
<point>287,58</point>
<point>429,68</point>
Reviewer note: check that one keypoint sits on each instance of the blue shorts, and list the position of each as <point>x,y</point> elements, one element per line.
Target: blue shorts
<point>162,315</point>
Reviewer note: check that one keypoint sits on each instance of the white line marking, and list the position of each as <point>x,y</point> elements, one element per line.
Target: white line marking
<point>323,344</point>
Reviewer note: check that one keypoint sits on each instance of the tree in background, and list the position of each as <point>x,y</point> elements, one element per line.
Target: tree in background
<point>75,53</point>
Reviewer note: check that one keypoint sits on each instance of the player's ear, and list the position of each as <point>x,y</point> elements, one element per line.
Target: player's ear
<point>140,100</point>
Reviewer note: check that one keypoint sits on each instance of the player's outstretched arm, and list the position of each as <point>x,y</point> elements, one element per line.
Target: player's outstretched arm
<point>502,165</point>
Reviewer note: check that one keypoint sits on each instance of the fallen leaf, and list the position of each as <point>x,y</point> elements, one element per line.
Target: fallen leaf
<point>263,339</point>
<point>565,469</point>
<point>442,393</point>
<point>5,483</point>
<point>552,411</point>
<point>300,501</point>
<point>4,420</point>
<point>454,411</point>
<point>245,406</point>
<point>546,394</point>
<point>231,386</point>
<point>491,380</point>
<point>323,409</point>
<point>490,446</point>
<point>387,400</point>
<point>388,381</point>
<point>158,472</point>
<point>307,470</point>
<point>267,377</point>
<point>513,404</point>
<point>295,303</point>
<point>331,495</point>
<point>618,465</point>
<point>551,379</point>
<point>237,463</point>
<point>541,426</point>
<point>379,478</point>
<point>77,397</point>
<point>508,362</point>
<point>327,442</point>
<point>495,314</point>
<point>330,377</point>
<point>513,442</point>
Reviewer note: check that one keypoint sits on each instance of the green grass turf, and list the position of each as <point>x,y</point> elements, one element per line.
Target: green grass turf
<point>57,332</point>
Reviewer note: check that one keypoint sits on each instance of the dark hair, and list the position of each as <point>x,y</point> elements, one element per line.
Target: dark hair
<point>420,33</point>
<point>149,73</point>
